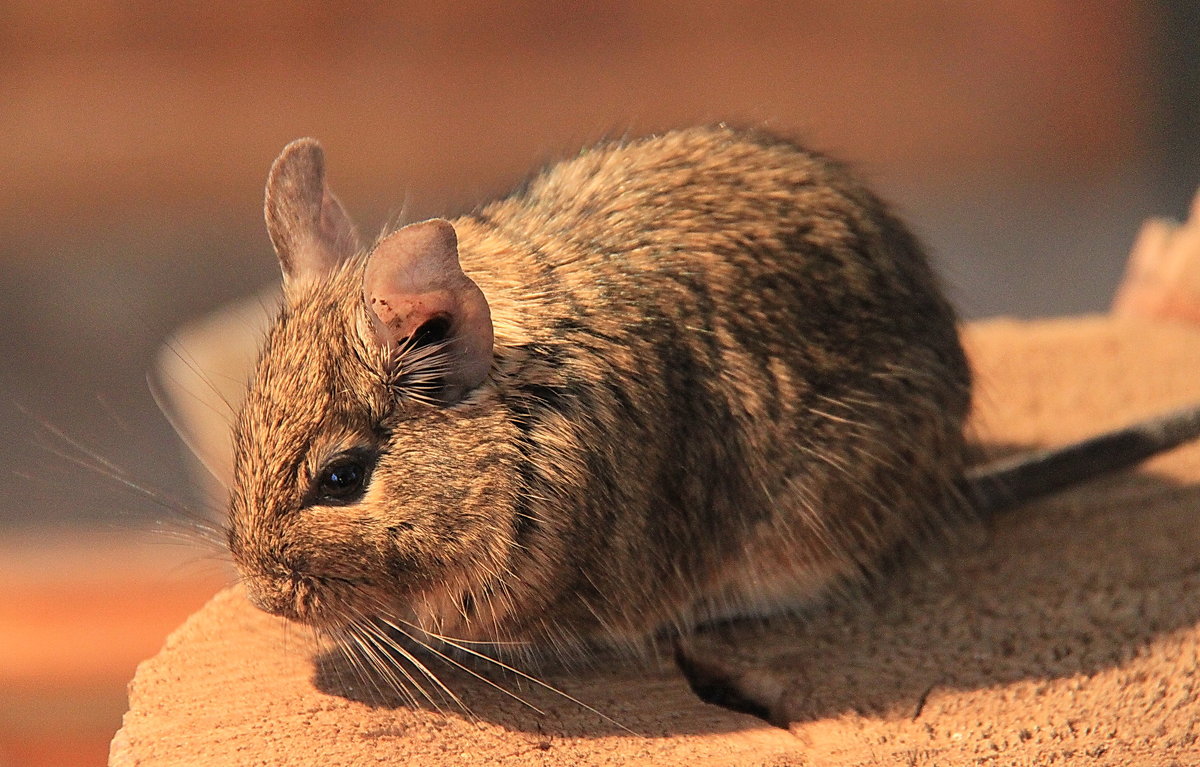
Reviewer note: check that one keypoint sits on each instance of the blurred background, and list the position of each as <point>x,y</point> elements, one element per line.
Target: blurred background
<point>1025,141</point>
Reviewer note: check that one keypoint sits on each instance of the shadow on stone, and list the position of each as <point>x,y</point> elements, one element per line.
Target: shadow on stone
<point>1070,585</point>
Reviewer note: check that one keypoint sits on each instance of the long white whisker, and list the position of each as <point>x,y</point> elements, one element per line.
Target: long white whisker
<point>201,528</point>
<point>375,631</point>
<point>518,672</point>
<point>189,360</point>
<point>159,400</point>
<point>355,651</point>
<point>464,667</point>
<point>387,667</point>
<point>99,464</point>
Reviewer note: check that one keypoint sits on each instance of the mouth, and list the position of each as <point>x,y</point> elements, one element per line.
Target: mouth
<point>288,597</point>
<point>324,603</point>
<point>332,603</point>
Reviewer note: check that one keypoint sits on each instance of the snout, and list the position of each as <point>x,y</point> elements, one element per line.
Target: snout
<point>287,597</point>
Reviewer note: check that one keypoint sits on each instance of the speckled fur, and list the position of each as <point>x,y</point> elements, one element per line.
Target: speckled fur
<point>724,377</point>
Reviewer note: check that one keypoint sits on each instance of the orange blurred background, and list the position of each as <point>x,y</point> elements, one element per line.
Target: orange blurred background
<point>1025,140</point>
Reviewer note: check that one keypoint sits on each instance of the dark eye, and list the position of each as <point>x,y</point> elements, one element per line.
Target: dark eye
<point>342,480</point>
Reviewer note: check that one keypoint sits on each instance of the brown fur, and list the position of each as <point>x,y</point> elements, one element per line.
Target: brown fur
<point>723,376</point>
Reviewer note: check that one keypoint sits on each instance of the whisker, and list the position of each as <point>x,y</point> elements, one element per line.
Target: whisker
<point>465,668</point>
<point>374,666</point>
<point>199,526</point>
<point>202,529</point>
<point>481,642</point>
<point>183,355</point>
<point>387,667</point>
<point>518,672</point>
<point>112,413</point>
<point>160,400</point>
<point>355,650</point>
<point>372,631</point>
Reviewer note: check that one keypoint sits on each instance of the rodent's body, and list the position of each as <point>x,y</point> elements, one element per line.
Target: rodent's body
<point>723,376</point>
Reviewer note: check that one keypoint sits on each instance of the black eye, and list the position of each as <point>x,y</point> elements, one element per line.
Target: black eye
<point>342,480</point>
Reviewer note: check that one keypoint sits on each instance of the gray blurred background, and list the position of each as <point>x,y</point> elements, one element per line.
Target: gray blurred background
<point>1024,140</point>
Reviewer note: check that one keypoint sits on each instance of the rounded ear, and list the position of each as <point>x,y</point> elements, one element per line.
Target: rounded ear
<point>309,228</point>
<point>417,296</point>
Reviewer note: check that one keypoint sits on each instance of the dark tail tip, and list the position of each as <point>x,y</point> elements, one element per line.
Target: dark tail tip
<point>1008,483</point>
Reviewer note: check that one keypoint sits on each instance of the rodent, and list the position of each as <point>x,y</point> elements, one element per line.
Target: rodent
<point>695,375</point>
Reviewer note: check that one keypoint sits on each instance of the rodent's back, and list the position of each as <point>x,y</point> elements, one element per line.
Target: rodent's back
<point>728,369</point>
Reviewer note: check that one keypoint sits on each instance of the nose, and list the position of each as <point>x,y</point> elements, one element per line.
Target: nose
<point>277,596</point>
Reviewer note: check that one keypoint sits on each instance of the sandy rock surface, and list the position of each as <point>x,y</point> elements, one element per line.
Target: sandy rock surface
<point>1066,633</point>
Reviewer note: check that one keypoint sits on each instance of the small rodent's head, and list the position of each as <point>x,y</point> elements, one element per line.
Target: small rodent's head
<point>366,455</point>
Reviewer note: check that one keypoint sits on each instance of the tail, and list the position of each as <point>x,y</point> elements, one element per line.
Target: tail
<point>1007,483</point>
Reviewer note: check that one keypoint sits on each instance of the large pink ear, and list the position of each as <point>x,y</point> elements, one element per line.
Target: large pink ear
<point>417,295</point>
<point>308,226</point>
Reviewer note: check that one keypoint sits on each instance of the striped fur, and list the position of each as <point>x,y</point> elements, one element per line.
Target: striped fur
<point>724,377</point>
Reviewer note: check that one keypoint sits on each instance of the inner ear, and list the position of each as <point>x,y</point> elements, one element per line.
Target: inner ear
<point>417,296</point>
<point>434,331</point>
